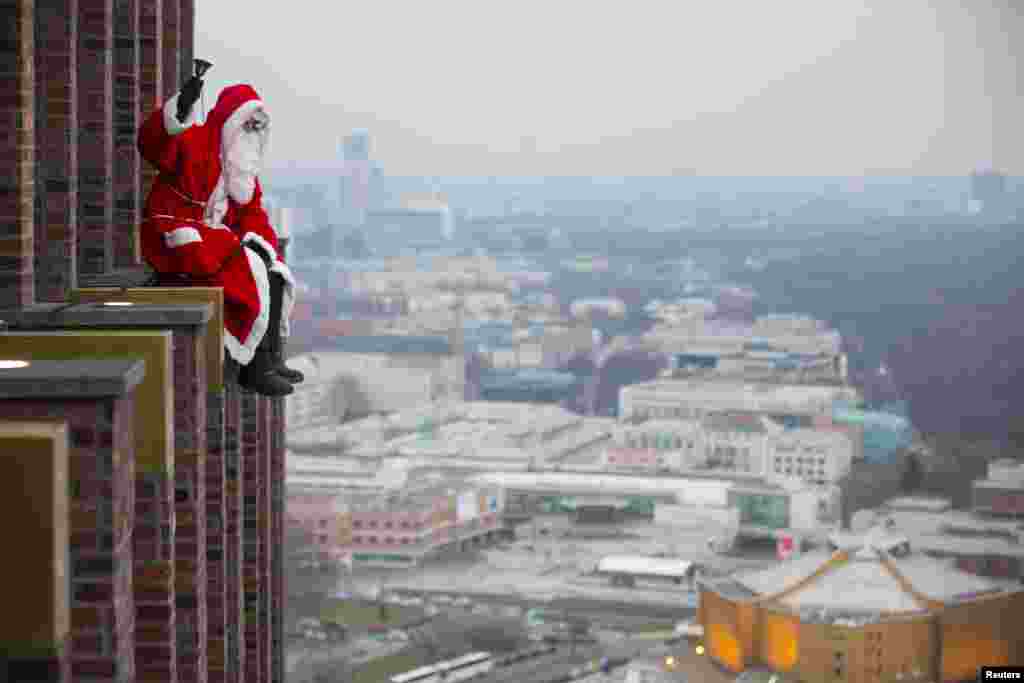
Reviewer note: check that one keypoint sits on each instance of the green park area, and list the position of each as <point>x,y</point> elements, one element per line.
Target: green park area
<point>355,615</point>
<point>654,628</point>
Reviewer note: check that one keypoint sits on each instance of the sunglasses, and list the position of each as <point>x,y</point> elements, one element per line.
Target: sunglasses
<point>254,125</point>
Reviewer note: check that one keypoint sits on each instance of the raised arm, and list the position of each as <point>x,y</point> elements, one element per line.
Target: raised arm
<point>159,135</point>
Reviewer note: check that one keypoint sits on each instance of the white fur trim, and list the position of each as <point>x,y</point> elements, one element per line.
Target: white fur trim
<point>237,118</point>
<point>179,237</point>
<point>217,204</point>
<point>257,239</point>
<point>282,269</point>
<point>171,123</point>
<point>243,351</point>
<point>287,296</point>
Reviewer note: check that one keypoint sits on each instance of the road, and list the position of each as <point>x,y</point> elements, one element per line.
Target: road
<point>572,605</point>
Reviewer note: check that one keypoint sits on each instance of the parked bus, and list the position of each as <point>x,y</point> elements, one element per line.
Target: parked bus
<point>462,668</point>
<point>626,570</point>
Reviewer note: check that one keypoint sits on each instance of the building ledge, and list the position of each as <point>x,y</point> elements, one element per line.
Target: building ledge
<point>100,315</point>
<point>72,378</point>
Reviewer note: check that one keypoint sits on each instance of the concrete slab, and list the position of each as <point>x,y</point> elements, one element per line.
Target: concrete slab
<point>71,378</point>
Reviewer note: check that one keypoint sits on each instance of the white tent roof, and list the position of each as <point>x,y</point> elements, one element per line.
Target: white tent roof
<point>864,583</point>
<point>642,565</point>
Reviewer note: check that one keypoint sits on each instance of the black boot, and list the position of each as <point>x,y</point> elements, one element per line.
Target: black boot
<point>293,376</point>
<point>276,344</point>
<point>259,376</point>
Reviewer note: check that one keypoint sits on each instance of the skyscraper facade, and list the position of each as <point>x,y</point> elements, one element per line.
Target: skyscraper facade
<point>357,170</point>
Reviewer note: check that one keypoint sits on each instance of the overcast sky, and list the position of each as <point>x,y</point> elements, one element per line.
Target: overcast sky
<point>610,87</point>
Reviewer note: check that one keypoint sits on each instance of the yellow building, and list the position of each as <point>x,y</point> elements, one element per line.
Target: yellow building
<point>862,616</point>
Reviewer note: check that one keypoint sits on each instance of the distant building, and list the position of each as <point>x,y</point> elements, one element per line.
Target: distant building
<point>737,443</point>
<point>989,190</point>
<point>356,175</point>
<point>361,375</point>
<point>978,543</point>
<point>418,226</point>
<point>400,529</point>
<point>795,344</point>
<point>325,517</point>
<point>586,308</point>
<point>694,398</point>
<point>468,436</point>
<point>317,401</point>
<point>862,615</point>
<point>1002,492</point>
<point>530,385</point>
<point>764,510</point>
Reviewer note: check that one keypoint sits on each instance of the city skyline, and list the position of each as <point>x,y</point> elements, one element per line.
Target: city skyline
<point>925,87</point>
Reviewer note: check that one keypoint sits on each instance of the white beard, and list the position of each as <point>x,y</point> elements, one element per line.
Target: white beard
<point>243,160</point>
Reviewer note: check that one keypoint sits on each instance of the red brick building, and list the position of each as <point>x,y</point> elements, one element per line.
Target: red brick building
<point>172,521</point>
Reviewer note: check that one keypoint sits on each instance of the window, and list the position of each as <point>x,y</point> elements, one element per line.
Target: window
<point>405,541</point>
<point>389,540</point>
<point>357,524</point>
<point>323,523</point>
<point>405,524</point>
<point>388,525</point>
<point>322,538</point>
<point>837,664</point>
<point>357,539</point>
<point>372,539</point>
<point>372,524</point>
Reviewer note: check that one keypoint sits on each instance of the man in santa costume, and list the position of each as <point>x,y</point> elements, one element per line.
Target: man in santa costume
<point>205,225</point>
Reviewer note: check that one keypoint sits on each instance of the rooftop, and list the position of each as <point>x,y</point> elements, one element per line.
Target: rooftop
<point>391,343</point>
<point>865,580</point>
<point>728,386</point>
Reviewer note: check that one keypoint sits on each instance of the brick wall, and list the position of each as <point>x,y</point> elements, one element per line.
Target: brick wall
<point>150,71</point>
<point>95,135</point>
<point>263,529</point>
<point>156,654</point>
<point>186,39</point>
<point>252,501</point>
<point>277,525</point>
<point>233,464</point>
<point>190,430</point>
<point>56,176</point>
<point>17,154</point>
<point>104,64</point>
<point>127,162</point>
<point>170,64</point>
<point>102,472</point>
<point>216,514</point>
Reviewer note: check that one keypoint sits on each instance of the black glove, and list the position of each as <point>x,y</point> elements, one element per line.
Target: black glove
<point>188,96</point>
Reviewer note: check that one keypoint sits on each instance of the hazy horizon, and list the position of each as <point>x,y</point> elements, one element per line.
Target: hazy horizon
<point>736,88</point>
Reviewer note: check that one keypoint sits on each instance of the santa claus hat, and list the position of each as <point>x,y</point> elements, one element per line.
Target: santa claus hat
<point>235,105</point>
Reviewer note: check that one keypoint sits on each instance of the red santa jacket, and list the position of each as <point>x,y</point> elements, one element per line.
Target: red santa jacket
<point>182,232</point>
